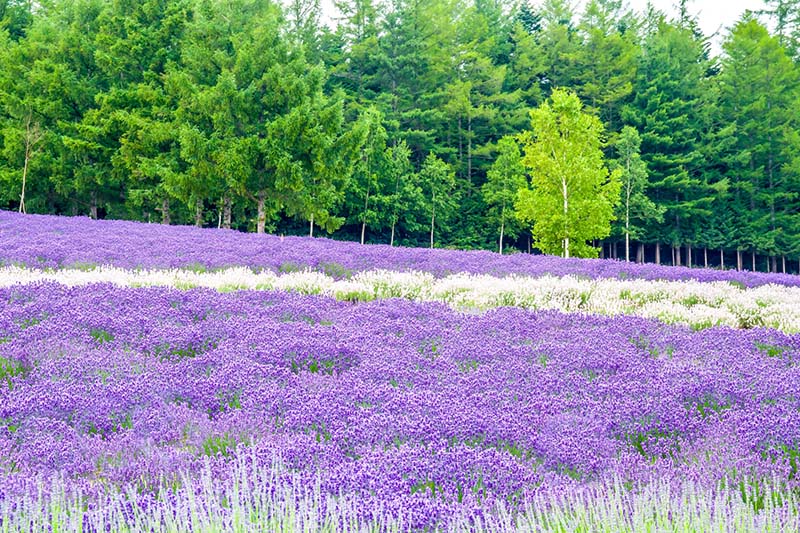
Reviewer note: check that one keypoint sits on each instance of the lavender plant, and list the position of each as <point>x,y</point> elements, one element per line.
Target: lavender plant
<point>411,415</point>
<point>57,242</point>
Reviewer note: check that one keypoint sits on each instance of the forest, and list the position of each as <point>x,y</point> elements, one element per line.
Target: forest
<point>409,122</point>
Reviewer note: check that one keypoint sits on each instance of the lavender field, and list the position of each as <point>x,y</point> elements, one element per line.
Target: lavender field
<point>43,241</point>
<point>173,408</point>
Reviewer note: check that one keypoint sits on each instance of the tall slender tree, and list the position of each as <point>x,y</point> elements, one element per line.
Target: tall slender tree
<point>759,88</point>
<point>635,207</point>
<point>505,179</point>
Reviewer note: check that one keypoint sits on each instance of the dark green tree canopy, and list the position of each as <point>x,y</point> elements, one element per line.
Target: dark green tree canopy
<point>277,115</point>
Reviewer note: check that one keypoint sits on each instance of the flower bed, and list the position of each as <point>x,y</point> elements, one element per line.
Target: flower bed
<point>403,410</point>
<point>47,241</point>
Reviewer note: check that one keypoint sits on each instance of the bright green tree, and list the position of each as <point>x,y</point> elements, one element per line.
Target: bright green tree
<point>368,181</point>
<point>403,202</point>
<point>572,196</point>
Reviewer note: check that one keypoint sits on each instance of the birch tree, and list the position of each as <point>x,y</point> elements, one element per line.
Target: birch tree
<point>572,196</point>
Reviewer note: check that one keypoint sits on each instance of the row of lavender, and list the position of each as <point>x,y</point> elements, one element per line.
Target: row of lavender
<point>407,409</point>
<point>53,242</point>
<point>696,304</point>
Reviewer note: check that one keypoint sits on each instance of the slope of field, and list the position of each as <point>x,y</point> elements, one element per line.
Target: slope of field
<point>351,398</point>
<point>51,242</point>
<point>410,408</point>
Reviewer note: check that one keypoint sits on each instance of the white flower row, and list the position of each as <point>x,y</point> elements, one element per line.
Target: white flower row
<point>693,303</point>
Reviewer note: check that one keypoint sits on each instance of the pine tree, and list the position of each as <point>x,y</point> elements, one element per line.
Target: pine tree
<point>759,88</point>
<point>671,99</point>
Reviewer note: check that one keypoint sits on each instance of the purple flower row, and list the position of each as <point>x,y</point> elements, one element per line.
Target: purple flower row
<point>410,408</point>
<point>50,241</point>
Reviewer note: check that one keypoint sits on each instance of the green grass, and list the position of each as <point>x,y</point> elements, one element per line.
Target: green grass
<point>11,369</point>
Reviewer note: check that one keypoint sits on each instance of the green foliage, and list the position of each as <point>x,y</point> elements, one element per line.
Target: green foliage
<point>251,115</point>
<point>572,194</point>
<point>101,336</point>
<point>771,350</point>
<point>11,369</point>
<point>215,445</point>
<point>438,182</point>
<point>759,87</point>
<point>504,181</point>
<point>635,208</point>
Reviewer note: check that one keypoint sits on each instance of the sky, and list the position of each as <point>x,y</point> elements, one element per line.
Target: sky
<point>715,16</point>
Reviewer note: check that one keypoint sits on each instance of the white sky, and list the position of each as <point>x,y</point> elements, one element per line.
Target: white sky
<point>713,15</point>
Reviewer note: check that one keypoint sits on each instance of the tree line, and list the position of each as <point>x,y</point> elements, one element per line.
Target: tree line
<point>414,122</point>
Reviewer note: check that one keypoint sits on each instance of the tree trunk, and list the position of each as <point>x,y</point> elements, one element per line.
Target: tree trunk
<point>658,253</point>
<point>198,214</point>
<point>529,244</point>
<point>391,239</point>
<point>311,226</point>
<point>24,179</point>
<point>165,214</point>
<point>721,259</point>
<point>93,205</point>
<point>775,263</point>
<point>678,261</point>
<point>739,262</point>
<point>564,194</point>
<point>754,261</point>
<point>366,207</point>
<point>433,218</point>
<point>689,255</point>
<point>226,211</point>
<point>502,228</point>
<point>261,219</point>
<point>783,262</point>
<point>640,253</point>
<point>705,256</point>
<point>602,250</point>
<point>627,247</point>
<point>33,135</point>
<point>469,149</point>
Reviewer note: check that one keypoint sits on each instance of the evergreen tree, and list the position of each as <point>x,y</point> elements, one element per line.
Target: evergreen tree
<point>759,89</point>
<point>15,17</point>
<point>672,97</point>
<point>607,60</point>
